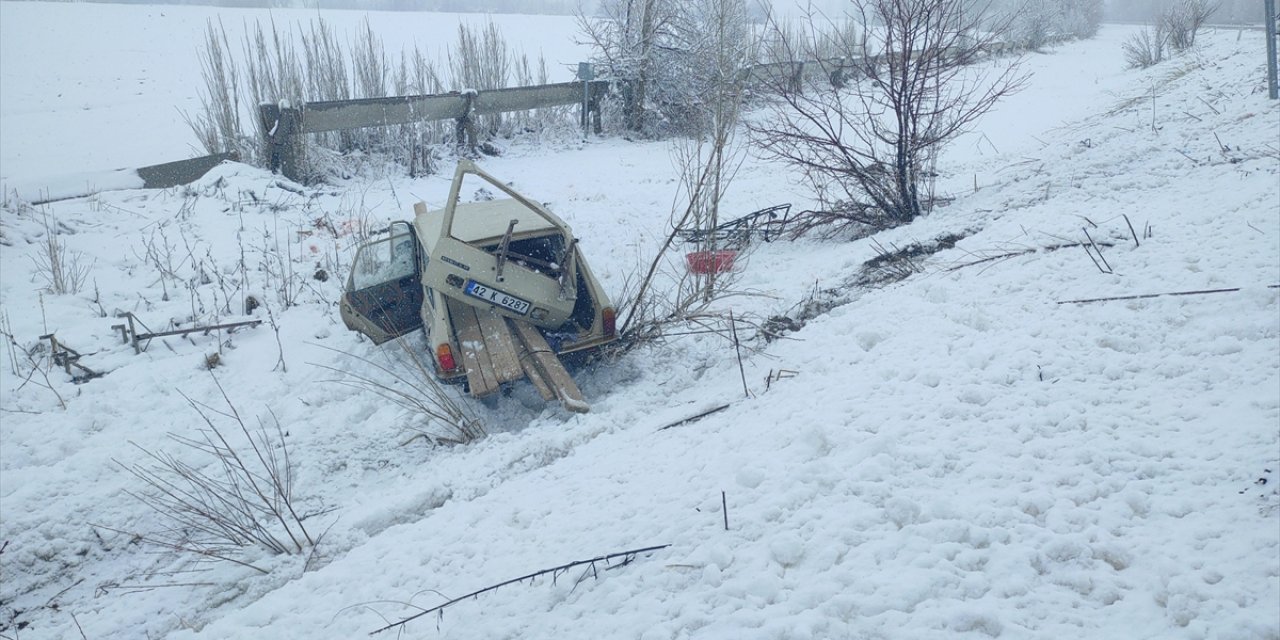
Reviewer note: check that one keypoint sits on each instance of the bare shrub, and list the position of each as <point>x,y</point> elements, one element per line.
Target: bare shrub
<point>1035,24</point>
<point>411,384</point>
<point>275,72</point>
<point>868,149</point>
<point>37,359</point>
<point>241,497</point>
<point>326,63</point>
<point>327,79</point>
<point>1082,18</point>
<point>62,270</point>
<point>1175,30</point>
<point>218,126</point>
<point>482,60</point>
<point>1145,48</point>
<point>667,299</point>
<point>417,75</point>
<point>1183,20</point>
<point>373,72</point>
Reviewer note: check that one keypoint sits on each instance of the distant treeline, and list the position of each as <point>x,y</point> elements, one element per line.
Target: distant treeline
<point>550,7</point>
<point>1229,11</point>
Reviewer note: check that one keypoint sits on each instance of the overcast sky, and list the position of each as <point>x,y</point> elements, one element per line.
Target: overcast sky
<point>1229,11</point>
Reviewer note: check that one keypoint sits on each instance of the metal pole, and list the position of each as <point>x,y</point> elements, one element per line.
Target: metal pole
<point>1271,49</point>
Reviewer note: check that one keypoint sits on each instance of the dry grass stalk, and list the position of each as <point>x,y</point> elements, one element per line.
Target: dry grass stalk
<point>62,270</point>
<point>413,386</point>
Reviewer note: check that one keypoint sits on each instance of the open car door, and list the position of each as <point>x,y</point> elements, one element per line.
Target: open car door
<point>511,254</point>
<point>383,297</point>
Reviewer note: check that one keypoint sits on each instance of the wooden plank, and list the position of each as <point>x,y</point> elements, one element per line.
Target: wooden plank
<point>500,346</point>
<point>549,365</point>
<point>475,359</point>
<point>535,376</point>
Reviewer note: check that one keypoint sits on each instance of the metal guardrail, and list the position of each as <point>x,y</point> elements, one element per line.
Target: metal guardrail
<point>284,123</point>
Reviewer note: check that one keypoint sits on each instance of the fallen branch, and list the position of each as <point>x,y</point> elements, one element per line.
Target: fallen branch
<point>1159,295</point>
<point>1014,254</point>
<point>555,572</point>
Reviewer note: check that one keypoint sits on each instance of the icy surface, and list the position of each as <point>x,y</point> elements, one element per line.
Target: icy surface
<point>955,454</point>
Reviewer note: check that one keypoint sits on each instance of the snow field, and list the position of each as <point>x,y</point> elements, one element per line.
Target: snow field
<point>957,456</point>
<point>123,77</point>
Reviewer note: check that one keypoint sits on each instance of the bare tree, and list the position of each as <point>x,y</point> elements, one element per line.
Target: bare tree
<point>869,148</point>
<point>628,36</point>
<point>725,50</point>
<point>664,56</point>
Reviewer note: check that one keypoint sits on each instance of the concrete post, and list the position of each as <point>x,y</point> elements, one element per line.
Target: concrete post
<point>465,126</point>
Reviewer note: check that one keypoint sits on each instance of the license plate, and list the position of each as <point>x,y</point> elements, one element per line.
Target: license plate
<point>499,298</point>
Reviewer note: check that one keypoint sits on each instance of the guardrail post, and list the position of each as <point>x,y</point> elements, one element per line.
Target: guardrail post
<point>586,73</point>
<point>597,88</point>
<point>796,81</point>
<point>465,126</point>
<point>268,119</point>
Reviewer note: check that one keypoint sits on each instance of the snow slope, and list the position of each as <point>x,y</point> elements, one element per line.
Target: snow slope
<point>956,455</point>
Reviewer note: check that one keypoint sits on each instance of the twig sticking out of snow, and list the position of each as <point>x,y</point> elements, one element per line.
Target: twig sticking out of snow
<point>724,508</point>
<point>1136,244</point>
<point>737,348</point>
<point>1100,266</point>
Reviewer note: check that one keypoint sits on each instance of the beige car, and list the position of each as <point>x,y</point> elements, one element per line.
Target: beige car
<point>498,285</point>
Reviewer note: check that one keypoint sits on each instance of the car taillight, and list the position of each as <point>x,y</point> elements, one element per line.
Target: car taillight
<point>444,355</point>
<point>610,321</point>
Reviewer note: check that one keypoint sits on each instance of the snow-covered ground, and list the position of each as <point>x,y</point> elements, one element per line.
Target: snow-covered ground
<point>955,455</point>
